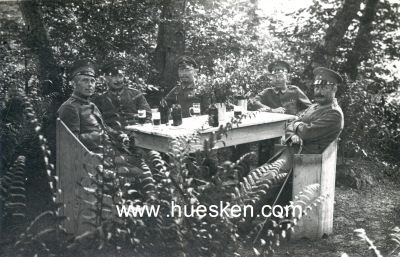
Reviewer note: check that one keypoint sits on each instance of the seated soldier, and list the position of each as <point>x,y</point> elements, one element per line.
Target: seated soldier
<point>281,98</point>
<point>120,104</point>
<point>323,121</point>
<point>80,115</point>
<point>84,119</point>
<point>185,92</point>
<point>320,124</point>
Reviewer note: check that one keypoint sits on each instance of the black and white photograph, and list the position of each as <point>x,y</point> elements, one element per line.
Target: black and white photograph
<point>200,128</point>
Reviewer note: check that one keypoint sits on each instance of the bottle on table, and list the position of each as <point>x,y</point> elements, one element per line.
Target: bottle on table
<point>176,115</point>
<point>164,111</point>
<point>213,116</point>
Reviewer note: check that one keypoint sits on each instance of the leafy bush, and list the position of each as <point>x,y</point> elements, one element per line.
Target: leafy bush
<point>372,124</point>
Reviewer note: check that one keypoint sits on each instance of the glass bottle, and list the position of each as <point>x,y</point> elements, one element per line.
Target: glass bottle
<point>164,111</point>
<point>213,116</point>
<point>176,115</point>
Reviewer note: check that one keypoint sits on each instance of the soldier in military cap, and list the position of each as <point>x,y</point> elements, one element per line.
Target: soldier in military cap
<point>84,119</point>
<point>281,98</point>
<point>81,116</point>
<point>323,121</point>
<point>120,104</point>
<point>185,92</point>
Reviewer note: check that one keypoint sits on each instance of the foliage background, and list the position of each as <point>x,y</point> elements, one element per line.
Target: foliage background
<point>232,40</point>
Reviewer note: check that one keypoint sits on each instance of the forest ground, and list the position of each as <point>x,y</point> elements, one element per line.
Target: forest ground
<point>365,197</point>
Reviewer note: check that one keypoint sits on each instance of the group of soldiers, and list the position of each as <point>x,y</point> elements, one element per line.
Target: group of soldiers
<point>315,127</point>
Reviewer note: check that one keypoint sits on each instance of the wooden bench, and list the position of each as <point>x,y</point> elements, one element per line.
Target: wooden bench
<point>74,161</point>
<point>310,169</point>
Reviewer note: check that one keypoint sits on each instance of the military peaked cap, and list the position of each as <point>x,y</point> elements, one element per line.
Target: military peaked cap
<point>277,64</point>
<point>83,67</point>
<point>186,59</point>
<point>113,67</point>
<point>325,74</point>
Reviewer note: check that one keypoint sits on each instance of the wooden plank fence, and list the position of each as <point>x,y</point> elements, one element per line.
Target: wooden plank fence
<point>310,169</point>
<point>74,161</point>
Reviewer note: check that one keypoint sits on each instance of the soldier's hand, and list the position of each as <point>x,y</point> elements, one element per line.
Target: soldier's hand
<point>264,109</point>
<point>296,139</point>
<point>279,110</point>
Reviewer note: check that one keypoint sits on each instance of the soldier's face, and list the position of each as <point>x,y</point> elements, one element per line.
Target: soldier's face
<point>84,85</point>
<point>186,73</point>
<point>324,94</point>
<point>279,78</point>
<point>115,80</point>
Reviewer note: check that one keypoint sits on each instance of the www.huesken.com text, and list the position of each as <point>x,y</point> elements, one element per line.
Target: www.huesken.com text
<point>222,210</point>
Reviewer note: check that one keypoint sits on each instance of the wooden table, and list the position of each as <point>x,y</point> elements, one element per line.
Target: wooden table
<point>259,127</point>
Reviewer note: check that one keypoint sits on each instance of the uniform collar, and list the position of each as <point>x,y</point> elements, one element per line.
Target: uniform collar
<point>116,91</point>
<point>334,103</point>
<point>191,86</point>
<point>80,98</point>
<point>277,91</point>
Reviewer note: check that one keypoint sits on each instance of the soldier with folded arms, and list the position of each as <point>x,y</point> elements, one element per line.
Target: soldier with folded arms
<point>323,121</point>
<point>281,97</point>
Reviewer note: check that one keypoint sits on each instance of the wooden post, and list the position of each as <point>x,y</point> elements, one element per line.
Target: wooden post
<point>310,169</point>
<point>74,162</point>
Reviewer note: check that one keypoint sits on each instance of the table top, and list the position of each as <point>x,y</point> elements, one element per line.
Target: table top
<point>200,124</point>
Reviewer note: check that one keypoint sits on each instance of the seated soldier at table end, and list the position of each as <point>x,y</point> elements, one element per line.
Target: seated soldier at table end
<point>323,121</point>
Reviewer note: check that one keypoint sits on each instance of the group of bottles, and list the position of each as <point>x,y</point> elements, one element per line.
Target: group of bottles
<point>176,114</point>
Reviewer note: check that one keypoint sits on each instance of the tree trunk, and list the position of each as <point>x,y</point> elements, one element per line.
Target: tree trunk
<point>363,42</point>
<point>324,52</point>
<point>37,40</point>
<point>170,42</point>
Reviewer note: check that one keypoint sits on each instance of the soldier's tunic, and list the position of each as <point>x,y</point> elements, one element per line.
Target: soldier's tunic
<point>120,107</point>
<point>292,99</point>
<point>186,97</point>
<point>318,126</point>
<point>84,119</point>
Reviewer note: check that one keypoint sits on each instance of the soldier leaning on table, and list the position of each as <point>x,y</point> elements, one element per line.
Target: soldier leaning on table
<point>279,98</point>
<point>120,104</point>
<point>184,93</point>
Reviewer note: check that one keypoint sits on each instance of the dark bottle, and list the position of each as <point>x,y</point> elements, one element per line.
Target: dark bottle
<point>142,116</point>
<point>164,111</point>
<point>176,115</point>
<point>213,116</point>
